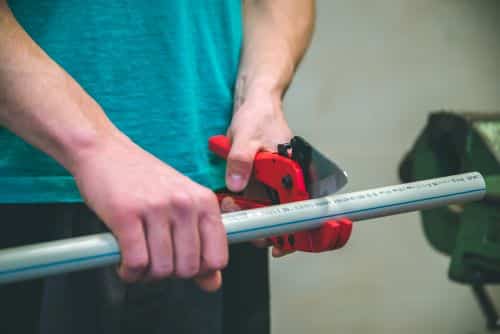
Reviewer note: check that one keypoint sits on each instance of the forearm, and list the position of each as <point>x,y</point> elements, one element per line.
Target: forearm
<point>41,103</point>
<point>276,35</point>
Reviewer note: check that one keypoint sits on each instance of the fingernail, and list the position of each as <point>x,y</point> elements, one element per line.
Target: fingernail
<point>236,181</point>
<point>226,204</point>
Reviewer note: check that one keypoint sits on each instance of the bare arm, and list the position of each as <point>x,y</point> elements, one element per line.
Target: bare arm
<point>276,36</point>
<point>166,224</point>
<point>40,102</point>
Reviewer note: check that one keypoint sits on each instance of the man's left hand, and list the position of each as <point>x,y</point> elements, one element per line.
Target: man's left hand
<point>258,124</point>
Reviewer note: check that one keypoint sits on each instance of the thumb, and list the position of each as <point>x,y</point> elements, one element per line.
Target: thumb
<point>239,164</point>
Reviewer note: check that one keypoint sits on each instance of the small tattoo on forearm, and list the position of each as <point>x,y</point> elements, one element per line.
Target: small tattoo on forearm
<point>239,93</point>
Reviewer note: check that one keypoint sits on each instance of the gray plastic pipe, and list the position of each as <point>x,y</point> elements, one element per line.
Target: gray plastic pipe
<point>44,259</point>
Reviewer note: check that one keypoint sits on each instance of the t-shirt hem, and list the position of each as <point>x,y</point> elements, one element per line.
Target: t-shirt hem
<point>63,189</point>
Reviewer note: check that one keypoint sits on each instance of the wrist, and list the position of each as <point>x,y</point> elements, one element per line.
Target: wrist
<point>257,90</point>
<point>88,143</point>
<point>265,86</point>
<point>266,77</point>
<point>260,101</point>
<point>83,147</point>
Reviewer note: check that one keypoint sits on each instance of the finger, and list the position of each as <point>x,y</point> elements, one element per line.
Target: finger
<point>134,252</point>
<point>209,282</point>
<point>214,248</point>
<point>239,164</point>
<point>229,205</point>
<point>160,247</point>
<point>185,236</point>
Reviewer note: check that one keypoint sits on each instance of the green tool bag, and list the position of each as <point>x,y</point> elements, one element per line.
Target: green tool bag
<point>454,143</point>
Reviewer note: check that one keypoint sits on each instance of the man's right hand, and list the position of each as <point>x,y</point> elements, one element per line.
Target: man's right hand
<point>166,224</point>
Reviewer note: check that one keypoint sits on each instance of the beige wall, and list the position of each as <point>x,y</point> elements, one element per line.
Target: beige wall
<point>375,69</point>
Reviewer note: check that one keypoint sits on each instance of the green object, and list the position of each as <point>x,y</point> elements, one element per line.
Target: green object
<point>163,71</point>
<point>470,234</point>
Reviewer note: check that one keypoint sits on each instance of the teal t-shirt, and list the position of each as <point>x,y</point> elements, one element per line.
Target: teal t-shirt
<point>163,71</point>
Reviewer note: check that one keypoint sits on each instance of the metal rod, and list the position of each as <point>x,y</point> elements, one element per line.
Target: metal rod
<point>55,257</point>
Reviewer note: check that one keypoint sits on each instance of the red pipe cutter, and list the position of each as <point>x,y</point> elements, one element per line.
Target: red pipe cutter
<point>290,175</point>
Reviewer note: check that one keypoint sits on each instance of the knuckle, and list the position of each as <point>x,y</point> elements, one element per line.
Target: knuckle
<point>240,157</point>
<point>123,211</point>
<point>189,269</point>
<point>136,264</point>
<point>182,201</point>
<point>208,197</point>
<point>161,271</point>
<point>126,231</point>
<point>211,219</point>
<point>187,272</point>
<point>157,203</point>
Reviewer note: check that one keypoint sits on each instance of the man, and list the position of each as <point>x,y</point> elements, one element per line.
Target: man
<point>119,99</point>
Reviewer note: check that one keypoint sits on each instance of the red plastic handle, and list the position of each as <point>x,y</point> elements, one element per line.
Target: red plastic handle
<point>331,235</point>
<point>220,145</point>
<point>269,169</point>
